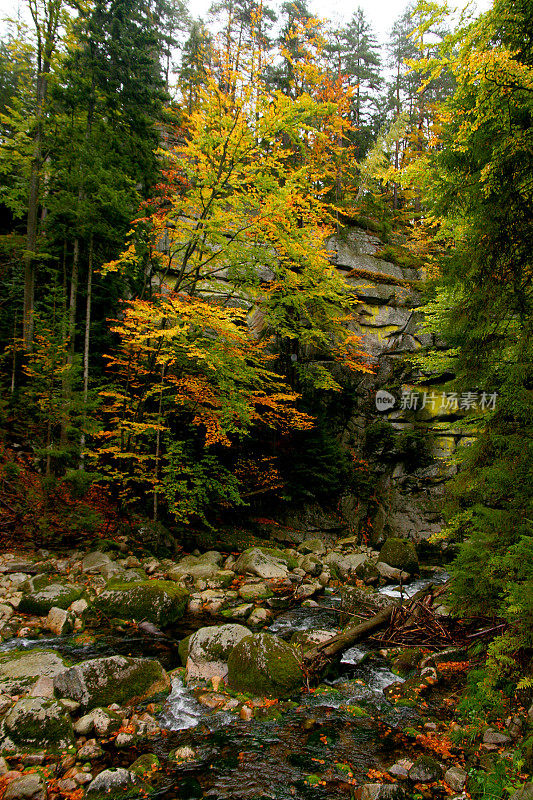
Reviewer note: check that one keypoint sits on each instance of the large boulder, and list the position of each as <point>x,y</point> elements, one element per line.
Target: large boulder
<point>37,723</point>
<point>400,553</point>
<point>197,567</point>
<point>209,649</point>
<point>262,563</point>
<point>160,602</point>
<point>42,593</point>
<point>30,786</point>
<point>116,679</point>
<point>93,563</point>
<point>264,665</point>
<point>18,671</point>
<point>113,783</point>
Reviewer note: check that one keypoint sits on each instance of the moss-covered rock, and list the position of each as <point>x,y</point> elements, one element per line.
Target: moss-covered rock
<point>37,723</point>
<point>264,562</point>
<point>145,765</point>
<point>407,661</point>
<point>209,649</point>
<point>43,593</point>
<point>18,671</point>
<point>103,681</point>
<point>264,665</point>
<point>160,602</point>
<point>400,553</point>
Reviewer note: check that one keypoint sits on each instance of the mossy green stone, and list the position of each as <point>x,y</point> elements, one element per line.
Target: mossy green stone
<point>183,649</point>
<point>400,553</point>
<point>42,594</point>
<point>100,682</point>
<point>160,602</point>
<point>264,665</point>
<point>145,765</point>
<point>37,723</point>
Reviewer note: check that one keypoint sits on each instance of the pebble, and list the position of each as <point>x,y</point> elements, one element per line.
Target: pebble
<point>246,713</point>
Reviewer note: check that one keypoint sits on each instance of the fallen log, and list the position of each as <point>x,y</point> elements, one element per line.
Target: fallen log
<point>315,659</point>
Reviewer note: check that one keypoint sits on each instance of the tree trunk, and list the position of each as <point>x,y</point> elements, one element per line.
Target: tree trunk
<point>316,658</point>
<point>86,350</point>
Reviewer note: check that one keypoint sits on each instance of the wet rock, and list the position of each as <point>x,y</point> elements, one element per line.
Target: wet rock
<point>116,679</point>
<point>36,722</point>
<point>262,563</point>
<point>209,649</point>
<point>145,765</point>
<point>456,777</point>
<point>4,766</point>
<point>246,713</point>
<point>27,787</point>
<point>18,670</point>
<point>212,700</point>
<point>41,594</point>
<point>407,661</point>
<point>112,782</point>
<point>262,664</point>
<point>161,602</point>
<point>306,590</point>
<point>259,616</point>
<point>425,770</point>
<point>124,740</point>
<point>5,703</point>
<point>400,553</point>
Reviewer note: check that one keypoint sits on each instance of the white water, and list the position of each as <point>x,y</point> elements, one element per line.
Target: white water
<point>181,710</point>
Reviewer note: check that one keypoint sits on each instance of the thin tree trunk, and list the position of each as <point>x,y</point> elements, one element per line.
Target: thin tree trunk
<point>86,350</point>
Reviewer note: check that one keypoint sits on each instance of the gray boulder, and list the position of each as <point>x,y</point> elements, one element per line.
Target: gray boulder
<point>26,787</point>
<point>40,594</point>
<point>93,563</point>
<point>425,770</point>
<point>116,679</point>
<point>209,649</point>
<point>160,602</point>
<point>37,723</point>
<point>264,665</point>
<point>112,783</point>
<point>261,563</point>
<point>19,670</point>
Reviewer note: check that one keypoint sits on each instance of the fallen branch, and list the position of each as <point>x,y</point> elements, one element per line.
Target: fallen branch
<point>315,659</point>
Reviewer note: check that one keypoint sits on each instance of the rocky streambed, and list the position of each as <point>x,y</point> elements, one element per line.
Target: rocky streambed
<point>131,677</point>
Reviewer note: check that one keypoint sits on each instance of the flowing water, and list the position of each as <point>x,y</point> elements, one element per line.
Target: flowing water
<point>312,749</point>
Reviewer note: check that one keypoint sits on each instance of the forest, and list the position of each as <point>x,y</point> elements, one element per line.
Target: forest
<point>223,242</point>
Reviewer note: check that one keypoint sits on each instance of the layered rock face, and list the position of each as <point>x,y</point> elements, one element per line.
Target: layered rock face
<point>408,436</point>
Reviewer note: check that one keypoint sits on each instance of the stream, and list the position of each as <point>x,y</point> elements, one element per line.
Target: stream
<point>313,749</point>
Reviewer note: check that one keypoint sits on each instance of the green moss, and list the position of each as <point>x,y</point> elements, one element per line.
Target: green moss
<point>161,602</point>
<point>400,553</point>
<point>145,765</point>
<point>42,593</point>
<point>406,661</point>
<point>36,723</point>
<point>183,649</point>
<point>264,665</point>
